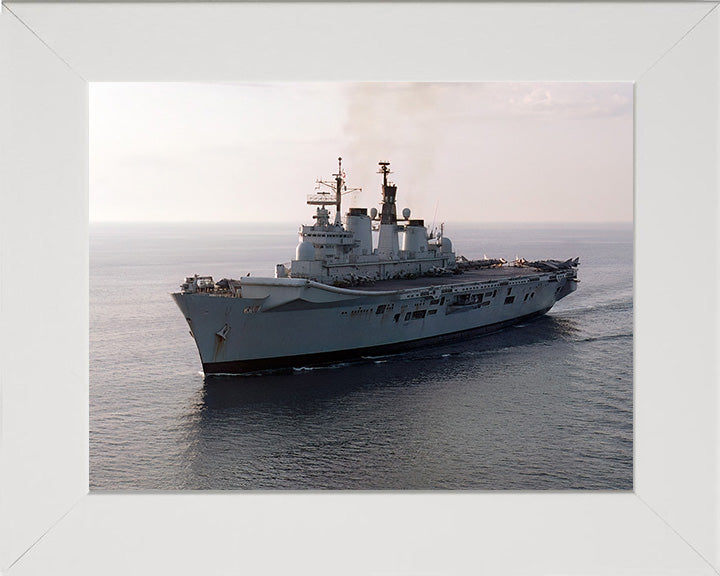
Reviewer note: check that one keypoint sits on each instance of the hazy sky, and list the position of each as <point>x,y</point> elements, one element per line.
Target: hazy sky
<point>478,152</point>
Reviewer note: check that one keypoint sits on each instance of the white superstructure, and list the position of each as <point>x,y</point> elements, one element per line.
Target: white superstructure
<point>343,254</point>
<point>344,295</point>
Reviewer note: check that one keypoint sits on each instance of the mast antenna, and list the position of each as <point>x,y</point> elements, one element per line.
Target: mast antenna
<point>384,170</point>
<point>339,181</point>
<point>324,198</point>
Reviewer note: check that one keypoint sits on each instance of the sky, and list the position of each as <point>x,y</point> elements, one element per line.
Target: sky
<point>459,152</point>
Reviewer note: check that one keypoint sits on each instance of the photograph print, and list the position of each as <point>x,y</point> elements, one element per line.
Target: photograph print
<point>361,286</point>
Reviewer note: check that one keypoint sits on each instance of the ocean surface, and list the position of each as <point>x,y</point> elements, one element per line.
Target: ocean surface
<point>545,405</point>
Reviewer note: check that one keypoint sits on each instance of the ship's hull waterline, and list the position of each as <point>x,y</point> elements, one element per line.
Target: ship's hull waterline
<point>281,323</point>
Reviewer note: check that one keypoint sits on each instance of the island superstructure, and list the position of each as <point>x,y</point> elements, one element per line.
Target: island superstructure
<point>340,253</point>
<point>371,283</point>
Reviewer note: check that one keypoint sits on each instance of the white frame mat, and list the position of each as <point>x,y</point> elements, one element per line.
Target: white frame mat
<point>49,524</point>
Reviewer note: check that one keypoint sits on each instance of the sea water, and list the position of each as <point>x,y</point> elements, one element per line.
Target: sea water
<point>546,404</point>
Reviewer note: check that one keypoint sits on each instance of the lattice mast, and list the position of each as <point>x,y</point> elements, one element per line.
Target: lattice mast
<point>324,197</point>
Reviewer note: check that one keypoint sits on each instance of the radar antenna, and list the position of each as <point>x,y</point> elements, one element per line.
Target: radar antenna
<point>384,170</point>
<point>324,197</point>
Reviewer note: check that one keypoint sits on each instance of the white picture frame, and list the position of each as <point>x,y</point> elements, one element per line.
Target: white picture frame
<point>669,524</point>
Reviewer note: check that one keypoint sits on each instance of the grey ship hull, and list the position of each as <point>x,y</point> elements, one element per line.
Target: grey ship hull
<point>283,322</point>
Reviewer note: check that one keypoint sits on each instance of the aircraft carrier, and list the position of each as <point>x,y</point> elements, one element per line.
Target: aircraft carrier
<point>368,284</point>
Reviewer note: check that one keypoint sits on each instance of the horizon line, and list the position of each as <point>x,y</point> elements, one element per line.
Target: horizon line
<point>461,222</point>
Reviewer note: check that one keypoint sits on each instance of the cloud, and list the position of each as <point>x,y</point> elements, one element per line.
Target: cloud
<point>592,100</point>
